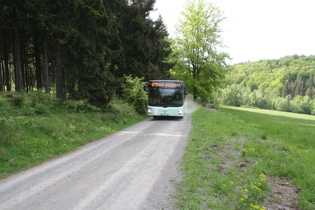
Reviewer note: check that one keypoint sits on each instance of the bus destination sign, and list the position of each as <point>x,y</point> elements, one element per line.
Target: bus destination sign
<point>156,84</point>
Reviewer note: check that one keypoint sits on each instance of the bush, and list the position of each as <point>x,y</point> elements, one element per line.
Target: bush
<point>78,106</point>
<point>3,101</point>
<point>18,100</point>
<point>282,104</point>
<point>301,104</point>
<point>40,109</point>
<point>312,103</point>
<point>39,97</point>
<point>134,94</point>
<point>232,95</point>
<point>122,108</point>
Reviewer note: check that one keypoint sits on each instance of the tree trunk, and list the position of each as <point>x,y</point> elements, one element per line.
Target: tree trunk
<point>60,80</point>
<point>47,84</point>
<point>1,80</point>
<point>38,71</point>
<point>23,59</point>
<point>17,62</point>
<point>6,69</point>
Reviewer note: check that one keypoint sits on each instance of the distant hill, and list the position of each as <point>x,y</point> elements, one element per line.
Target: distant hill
<point>285,84</point>
<point>293,75</point>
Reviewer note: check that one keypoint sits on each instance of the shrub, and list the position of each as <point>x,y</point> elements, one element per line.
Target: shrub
<point>312,106</point>
<point>134,94</point>
<point>18,100</point>
<point>301,104</point>
<point>2,102</point>
<point>78,106</point>
<point>232,95</point>
<point>282,104</point>
<point>40,109</point>
<point>39,97</point>
<point>120,107</point>
<point>262,99</point>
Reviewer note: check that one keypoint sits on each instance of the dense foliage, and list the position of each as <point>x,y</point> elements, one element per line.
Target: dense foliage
<point>285,84</point>
<point>81,49</point>
<point>135,95</point>
<point>195,49</point>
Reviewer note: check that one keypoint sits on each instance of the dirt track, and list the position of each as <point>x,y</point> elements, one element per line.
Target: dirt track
<point>132,169</point>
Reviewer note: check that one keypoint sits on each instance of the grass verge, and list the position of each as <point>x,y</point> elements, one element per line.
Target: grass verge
<point>237,159</point>
<point>36,128</point>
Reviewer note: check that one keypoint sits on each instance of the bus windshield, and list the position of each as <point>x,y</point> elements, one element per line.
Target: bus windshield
<point>166,97</point>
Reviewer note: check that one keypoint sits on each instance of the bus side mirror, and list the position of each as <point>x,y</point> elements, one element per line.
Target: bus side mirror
<point>185,91</point>
<point>145,87</point>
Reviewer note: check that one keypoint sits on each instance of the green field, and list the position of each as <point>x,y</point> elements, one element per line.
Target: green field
<point>240,158</point>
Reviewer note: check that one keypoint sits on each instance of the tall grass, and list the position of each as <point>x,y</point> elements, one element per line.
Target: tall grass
<point>236,159</point>
<point>38,127</point>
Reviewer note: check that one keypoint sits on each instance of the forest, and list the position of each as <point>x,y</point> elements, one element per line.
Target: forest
<point>285,84</point>
<point>90,49</point>
<point>80,49</point>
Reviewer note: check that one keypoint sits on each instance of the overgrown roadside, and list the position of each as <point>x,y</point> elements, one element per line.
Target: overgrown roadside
<point>233,163</point>
<point>36,127</point>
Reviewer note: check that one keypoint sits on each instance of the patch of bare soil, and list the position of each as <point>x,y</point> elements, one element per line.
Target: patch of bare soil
<point>283,194</point>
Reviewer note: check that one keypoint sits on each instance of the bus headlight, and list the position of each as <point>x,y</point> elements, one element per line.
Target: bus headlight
<point>180,112</point>
<point>149,111</point>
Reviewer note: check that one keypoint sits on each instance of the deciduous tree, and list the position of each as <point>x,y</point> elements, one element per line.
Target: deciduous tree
<point>196,49</point>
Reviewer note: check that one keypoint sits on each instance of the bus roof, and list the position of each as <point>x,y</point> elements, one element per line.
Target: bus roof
<point>179,81</point>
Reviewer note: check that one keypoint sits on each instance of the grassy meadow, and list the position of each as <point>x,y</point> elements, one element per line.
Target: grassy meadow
<point>240,158</point>
<point>37,127</point>
<point>236,158</point>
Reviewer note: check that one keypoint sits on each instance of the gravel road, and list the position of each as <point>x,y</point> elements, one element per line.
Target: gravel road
<point>131,169</point>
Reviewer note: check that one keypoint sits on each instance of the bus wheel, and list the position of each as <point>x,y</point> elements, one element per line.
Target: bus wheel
<point>155,117</point>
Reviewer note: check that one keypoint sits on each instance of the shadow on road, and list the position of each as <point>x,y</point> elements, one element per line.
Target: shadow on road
<point>166,118</point>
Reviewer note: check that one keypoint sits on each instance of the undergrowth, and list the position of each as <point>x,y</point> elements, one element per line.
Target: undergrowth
<point>37,127</point>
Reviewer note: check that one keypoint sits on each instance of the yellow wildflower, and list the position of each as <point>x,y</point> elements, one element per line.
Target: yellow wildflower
<point>254,206</point>
<point>262,177</point>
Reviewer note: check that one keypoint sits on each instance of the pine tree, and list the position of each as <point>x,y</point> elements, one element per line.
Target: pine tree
<point>286,89</point>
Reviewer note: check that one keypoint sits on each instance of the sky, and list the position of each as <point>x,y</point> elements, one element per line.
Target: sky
<point>256,29</point>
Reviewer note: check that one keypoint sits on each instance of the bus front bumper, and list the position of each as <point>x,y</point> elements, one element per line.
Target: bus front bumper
<point>166,111</point>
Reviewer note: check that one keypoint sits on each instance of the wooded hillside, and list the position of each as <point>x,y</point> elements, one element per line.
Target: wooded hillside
<point>79,48</point>
<point>268,83</point>
<point>292,75</point>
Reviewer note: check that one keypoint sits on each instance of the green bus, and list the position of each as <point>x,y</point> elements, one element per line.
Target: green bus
<point>166,98</point>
